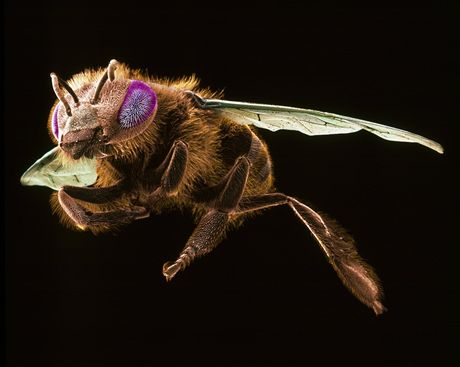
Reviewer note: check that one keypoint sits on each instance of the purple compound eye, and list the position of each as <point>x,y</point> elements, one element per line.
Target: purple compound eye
<point>139,104</point>
<point>54,122</point>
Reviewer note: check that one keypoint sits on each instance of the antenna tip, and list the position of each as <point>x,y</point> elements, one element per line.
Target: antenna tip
<point>113,64</point>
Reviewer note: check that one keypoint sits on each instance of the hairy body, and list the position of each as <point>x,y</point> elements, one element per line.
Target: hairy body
<point>133,145</point>
<point>134,166</point>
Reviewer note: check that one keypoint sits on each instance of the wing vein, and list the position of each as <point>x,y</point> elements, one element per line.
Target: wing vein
<point>310,122</point>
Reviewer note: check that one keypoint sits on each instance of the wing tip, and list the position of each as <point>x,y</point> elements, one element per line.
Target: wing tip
<point>440,149</point>
<point>435,146</point>
<point>28,178</point>
<point>25,180</point>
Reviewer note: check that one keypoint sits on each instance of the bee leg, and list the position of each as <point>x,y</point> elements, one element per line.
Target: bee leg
<point>172,171</point>
<point>337,245</point>
<point>83,217</point>
<point>204,239</point>
<point>211,228</point>
<point>96,195</point>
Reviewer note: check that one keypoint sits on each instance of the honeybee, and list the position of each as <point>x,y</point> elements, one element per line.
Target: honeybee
<point>128,145</point>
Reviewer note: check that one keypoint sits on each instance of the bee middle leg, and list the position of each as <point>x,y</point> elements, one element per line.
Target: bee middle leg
<point>171,171</point>
<point>211,228</point>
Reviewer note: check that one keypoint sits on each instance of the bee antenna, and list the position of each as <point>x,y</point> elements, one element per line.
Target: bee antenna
<point>57,83</point>
<point>109,74</point>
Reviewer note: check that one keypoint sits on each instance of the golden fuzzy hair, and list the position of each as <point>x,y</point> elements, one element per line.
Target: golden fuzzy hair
<point>200,129</point>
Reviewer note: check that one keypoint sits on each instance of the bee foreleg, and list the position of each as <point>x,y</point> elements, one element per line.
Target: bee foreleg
<point>211,228</point>
<point>83,217</point>
<point>96,195</point>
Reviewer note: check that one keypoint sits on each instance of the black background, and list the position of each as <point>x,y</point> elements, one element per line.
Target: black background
<point>266,295</point>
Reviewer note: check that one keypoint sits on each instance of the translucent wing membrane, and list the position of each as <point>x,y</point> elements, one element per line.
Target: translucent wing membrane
<point>309,122</point>
<point>51,171</point>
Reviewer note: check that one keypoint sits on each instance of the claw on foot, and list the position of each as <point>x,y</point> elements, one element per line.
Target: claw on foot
<point>378,308</point>
<point>170,269</point>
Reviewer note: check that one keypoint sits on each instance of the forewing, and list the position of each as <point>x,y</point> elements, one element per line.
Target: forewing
<point>50,170</point>
<point>310,122</point>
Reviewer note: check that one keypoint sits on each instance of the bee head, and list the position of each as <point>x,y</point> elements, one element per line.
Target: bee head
<point>99,114</point>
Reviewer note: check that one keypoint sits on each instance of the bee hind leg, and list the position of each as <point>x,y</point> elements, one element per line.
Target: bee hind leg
<point>336,244</point>
<point>211,228</point>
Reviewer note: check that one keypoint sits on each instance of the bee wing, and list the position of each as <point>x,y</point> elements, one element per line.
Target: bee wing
<point>309,122</point>
<point>52,171</point>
